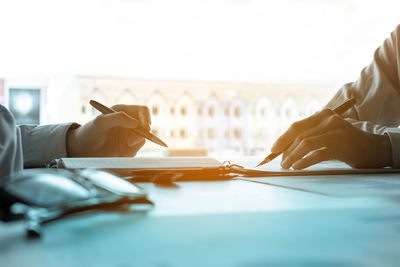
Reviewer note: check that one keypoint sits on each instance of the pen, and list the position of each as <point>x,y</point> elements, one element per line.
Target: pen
<point>139,130</point>
<point>339,110</point>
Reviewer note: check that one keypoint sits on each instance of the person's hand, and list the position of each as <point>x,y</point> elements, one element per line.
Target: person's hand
<point>110,135</point>
<point>327,136</point>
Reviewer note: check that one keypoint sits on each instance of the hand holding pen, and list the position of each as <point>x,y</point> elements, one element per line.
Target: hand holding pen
<point>328,136</point>
<point>118,132</point>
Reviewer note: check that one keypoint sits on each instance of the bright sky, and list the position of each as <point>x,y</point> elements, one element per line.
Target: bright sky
<point>286,41</point>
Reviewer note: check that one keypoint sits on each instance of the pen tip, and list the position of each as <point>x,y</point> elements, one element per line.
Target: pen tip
<point>160,142</point>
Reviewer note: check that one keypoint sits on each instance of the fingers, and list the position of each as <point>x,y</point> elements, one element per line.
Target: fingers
<point>123,142</point>
<point>332,123</point>
<point>298,128</point>
<point>306,146</point>
<point>133,139</point>
<point>314,158</point>
<point>105,122</point>
<point>144,117</point>
<point>132,151</point>
<point>142,113</point>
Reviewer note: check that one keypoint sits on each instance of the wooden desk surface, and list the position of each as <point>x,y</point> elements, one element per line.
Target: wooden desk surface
<point>337,222</point>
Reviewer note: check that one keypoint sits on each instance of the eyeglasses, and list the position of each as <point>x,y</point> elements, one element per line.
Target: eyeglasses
<point>41,196</point>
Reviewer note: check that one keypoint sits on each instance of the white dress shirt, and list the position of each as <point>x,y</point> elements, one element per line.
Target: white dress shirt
<point>377,94</point>
<point>29,145</point>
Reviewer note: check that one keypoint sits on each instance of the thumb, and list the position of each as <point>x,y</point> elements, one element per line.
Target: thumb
<point>117,119</point>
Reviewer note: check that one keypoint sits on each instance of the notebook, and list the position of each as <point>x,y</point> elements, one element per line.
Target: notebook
<point>144,168</point>
<point>204,168</point>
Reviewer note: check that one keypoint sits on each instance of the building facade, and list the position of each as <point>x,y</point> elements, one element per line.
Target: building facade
<point>243,117</point>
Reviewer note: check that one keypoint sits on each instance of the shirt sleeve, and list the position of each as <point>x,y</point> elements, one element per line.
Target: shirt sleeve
<point>44,143</point>
<point>394,136</point>
<point>11,159</point>
<point>377,95</point>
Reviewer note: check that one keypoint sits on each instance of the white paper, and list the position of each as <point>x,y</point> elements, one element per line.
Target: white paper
<point>141,163</point>
<point>323,168</point>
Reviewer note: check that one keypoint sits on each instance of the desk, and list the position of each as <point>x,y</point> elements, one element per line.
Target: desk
<point>230,223</point>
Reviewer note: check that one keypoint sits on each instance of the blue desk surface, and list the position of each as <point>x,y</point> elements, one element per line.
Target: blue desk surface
<point>351,220</point>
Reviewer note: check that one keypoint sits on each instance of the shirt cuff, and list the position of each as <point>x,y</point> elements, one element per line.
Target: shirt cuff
<point>394,136</point>
<point>44,143</point>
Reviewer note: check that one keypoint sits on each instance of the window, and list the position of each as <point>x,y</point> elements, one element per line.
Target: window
<point>155,131</point>
<point>237,112</point>
<point>155,110</point>
<point>237,133</point>
<point>200,111</point>
<point>83,109</point>
<point>183,111</point>
<point>262,112</point>
<point>25,105</point>
<point>172,111</point>
<point>182,133</point>
<point>211,111</point>
<point>172,133</point>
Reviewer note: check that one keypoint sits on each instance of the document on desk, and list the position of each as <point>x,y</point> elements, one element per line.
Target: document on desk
<point>140,163</point>
<point>273,168</point>
<point>165,169</point>
<point>199,164</point>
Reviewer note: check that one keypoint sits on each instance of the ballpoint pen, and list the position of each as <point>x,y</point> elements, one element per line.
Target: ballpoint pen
<point>339,110</point>
<point>139,130</point>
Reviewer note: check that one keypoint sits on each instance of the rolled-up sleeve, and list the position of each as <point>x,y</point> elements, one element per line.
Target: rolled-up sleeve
<point>44,143</point>
<point>377,95</point>
<point>394,136</point>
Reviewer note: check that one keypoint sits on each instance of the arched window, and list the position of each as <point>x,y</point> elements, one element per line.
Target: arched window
<point>183,111</point>
<point>157,105</point>
<point>200,111</point>
<point>237,112</point>
<point>211,111</point>
<point>172,133</point>
<point>182,133</point>
<point>172,110</point>
<point>154,110</point>
<point>237,133</point>
<point>213,107</point>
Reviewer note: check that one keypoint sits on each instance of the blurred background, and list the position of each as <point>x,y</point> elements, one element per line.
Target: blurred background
<point>222,77</point>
